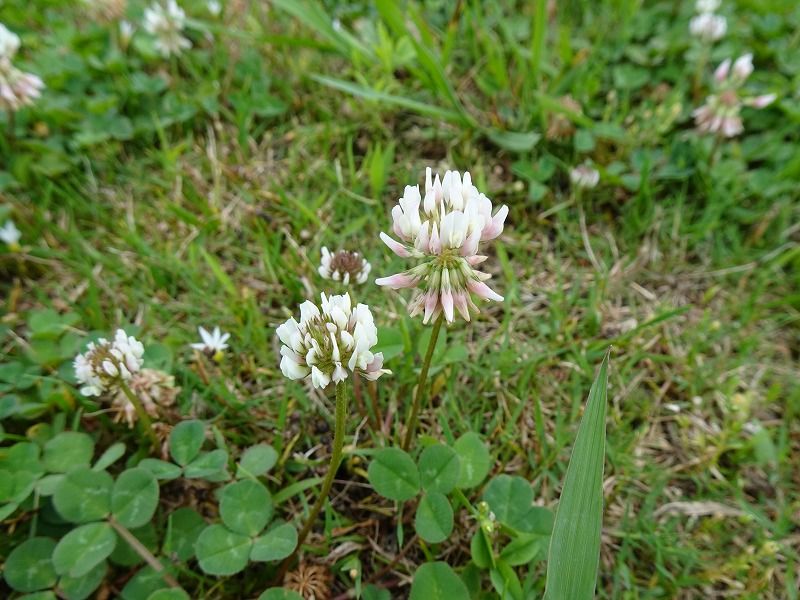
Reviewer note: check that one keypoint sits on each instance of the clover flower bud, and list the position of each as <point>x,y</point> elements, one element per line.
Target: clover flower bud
<point>584,176</point>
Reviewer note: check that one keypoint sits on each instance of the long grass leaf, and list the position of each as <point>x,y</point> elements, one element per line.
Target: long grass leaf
<point>575,544</point>
<point>369,94</point>
<point>313,16</point>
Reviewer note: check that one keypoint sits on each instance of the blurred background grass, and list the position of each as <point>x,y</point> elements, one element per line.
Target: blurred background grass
<point>166,194</point>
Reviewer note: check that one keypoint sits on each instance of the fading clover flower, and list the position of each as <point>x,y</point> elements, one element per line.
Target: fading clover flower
<point>443,231</point>
<point>155,389</point>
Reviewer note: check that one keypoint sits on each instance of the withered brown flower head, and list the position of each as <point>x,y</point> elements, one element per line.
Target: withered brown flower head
<point>342,265</point>
<point>312,582</point>
<point>559,126</point>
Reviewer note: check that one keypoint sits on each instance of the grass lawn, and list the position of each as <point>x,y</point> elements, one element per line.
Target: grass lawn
<point>161,193</point>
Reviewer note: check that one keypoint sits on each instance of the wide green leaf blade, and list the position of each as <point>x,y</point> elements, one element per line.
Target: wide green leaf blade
<point>575,544</point>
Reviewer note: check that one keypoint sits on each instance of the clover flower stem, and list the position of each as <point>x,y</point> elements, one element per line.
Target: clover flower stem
<point>714,154</point>
<point>143,552</point>
<point>697,81</point>
<point>358,398</point>
<point>11,127</point>
<point>587,244</point>
<point>423,378</point>
<point>144,418</point>
<point>327,483</point>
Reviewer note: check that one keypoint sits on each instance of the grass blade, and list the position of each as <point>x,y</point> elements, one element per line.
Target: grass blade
<point>313,16</point>
<point>369,94</point>
<point>575,545</point>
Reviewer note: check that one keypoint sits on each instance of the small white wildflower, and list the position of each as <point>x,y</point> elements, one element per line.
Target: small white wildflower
<point>166,22</point>
<point>328,341</point>
<point>10,234</point>
<point>213,343</point>
<point>444,230</point>
<point>105,363</point>
<point>9,42</point>
<point>584,176</point>
<point>343,266</point>
<point>708,27</point>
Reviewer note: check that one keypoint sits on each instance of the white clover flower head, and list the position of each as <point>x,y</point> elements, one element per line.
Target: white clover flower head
<point>9,42</point>
<point>584,176</point>
<point>17,88</point>
<point>330,340</point>
<point>708,26</point>
<point>214,7</point>
<point>444,230</point>
<point>213,343</point>
<point>105,364</point>
<point>344,266</point>
<point>10,235</point>
<point>721,113</point>
<point>707,6</point>
<point>165,21</point>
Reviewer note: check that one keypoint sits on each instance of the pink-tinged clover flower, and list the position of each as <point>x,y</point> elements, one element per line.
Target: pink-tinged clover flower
<point>17,88</point>
<point>443,230</point>
<point>330,340</point>
<point>721,113</point>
